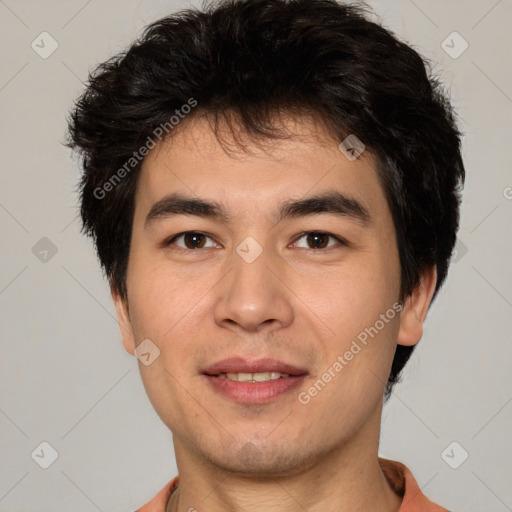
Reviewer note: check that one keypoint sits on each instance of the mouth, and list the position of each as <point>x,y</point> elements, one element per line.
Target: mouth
<point>253,381</point>
<point>241,366</point>
<point>252,377</point>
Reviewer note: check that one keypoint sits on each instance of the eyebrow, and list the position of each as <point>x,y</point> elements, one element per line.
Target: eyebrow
<point>332,202</point>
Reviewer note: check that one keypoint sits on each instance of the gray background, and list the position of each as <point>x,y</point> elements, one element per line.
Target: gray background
<point>65,378</point>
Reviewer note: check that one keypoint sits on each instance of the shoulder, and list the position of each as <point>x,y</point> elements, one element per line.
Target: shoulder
<point>159,502</point>
<point>404,484</point>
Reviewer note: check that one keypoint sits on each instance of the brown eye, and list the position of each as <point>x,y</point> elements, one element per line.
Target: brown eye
<point>318,240</point>
<point>194,240</point>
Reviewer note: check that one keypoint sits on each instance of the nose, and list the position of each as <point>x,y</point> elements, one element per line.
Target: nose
<point>254,296</point>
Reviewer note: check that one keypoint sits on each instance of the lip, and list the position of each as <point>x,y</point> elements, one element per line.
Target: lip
<point>241,365</point>
<point>254,392</point>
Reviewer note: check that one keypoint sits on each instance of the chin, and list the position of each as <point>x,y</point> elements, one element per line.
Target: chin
<point>260,460</point>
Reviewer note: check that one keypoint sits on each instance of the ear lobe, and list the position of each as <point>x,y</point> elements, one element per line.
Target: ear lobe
<point>123,319</point>
<point>415,309</point>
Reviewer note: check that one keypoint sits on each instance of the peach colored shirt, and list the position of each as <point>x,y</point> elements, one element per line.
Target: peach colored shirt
<point>399,477</point>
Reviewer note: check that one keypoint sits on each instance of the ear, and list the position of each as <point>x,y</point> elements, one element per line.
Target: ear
<point>123,319</point>
<point>415,309</point>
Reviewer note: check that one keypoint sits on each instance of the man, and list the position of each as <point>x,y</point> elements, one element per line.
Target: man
<point>273,190</point>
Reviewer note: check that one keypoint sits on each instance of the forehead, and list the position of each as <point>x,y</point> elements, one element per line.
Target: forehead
<point>250,170</point>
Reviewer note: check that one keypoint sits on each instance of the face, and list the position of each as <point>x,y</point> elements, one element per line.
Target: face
<point>253,264</point>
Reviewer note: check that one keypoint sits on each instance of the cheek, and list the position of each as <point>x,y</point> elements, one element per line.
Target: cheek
<point>353,299</point>
<point>368,342</point>
<point>159,296</point>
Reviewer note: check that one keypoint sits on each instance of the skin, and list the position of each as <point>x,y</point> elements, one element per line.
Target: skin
<point>296,303</point>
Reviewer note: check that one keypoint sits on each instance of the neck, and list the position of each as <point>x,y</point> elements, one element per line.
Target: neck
<point>347,478</point>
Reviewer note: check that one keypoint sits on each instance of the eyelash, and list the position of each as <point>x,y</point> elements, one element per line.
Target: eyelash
<point>340,241</point>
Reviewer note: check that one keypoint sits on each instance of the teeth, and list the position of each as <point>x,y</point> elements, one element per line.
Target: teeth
<point>264,376</point>
<point>253,377</point>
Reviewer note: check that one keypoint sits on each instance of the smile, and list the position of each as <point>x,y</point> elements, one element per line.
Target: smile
<point>253,377</point>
